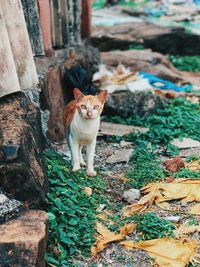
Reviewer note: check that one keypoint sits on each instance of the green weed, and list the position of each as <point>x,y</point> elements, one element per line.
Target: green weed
<point>186,63</point>
<point>146,168</point>
<point>153,227</point>
<point>186,173</point>
<point>179,119</point>
<point>71,212</point>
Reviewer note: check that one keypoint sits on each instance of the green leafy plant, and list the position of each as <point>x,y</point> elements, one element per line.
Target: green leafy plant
<point>146,168</point>
<point>187,173</point>
<point>71,212</point>
<point>153,227</point>
<point>186,63</point>
<point>179,119</point>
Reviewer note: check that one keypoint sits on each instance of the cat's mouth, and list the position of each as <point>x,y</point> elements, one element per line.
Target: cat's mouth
<point>89,117</point>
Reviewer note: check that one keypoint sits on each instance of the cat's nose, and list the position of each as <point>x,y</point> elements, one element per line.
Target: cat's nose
<point>89,113</point>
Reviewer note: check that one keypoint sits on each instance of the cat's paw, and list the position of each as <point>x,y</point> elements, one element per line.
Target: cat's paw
<point>83,164</point>
<point>91,173</point>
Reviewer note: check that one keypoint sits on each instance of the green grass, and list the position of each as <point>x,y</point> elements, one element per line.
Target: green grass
<point>186,63</point>
<point>98,4</point>
<point>71,212</point>
<point>146,168</point>
<point>153,227</point>
<point>179,119</point>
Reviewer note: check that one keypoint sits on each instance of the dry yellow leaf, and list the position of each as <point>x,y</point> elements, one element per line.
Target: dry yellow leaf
<point>195,209</point>
<point>183,189</point>
<point>167,252</point>
<point>140,206</point>
<point>194,165</point>
<point>88,190</point>
<point>184,230</point>
<point>106,236</point>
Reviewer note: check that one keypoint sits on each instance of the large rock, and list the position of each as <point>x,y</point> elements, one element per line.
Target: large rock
<point>21,143</point>
<point>9,208</point>
<point>23,241</point>
<point>152,62</point>
<point>167,40</point>
<point>126,103</point>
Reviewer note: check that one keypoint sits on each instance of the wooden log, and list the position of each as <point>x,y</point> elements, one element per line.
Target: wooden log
<point>45,21</point>
<point>70,22</point>
<point>166,40</point>
<point>33,25</point>
<point>77,21</point>
<point>56,25</point>
<point>86,17</point>
<point>20,44</point>
<point>9,82</point>
<point>64,21</point>
<point>55,104</point>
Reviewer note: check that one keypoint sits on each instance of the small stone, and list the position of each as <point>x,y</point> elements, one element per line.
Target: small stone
<point>120,156</point>
<point>173,218</point>
<point>125,144</point>
<point>131,196</point>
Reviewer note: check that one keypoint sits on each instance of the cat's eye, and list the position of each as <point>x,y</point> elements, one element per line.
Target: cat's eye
<point>83,107</point>
<point>96,107</point>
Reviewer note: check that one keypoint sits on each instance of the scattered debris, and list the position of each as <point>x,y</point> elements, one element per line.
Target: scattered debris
<point>106,236</point>
<point>185,143</point>
<point>113,129</point>
<point>120,156</point>
<point>101,207</point>
<point>173,165</point>
<point>185,230</point>
<point>194,165</point>
<point>88,190</point>
<point>160,193</point>
<point>131,195</point>
<point>166,252</point>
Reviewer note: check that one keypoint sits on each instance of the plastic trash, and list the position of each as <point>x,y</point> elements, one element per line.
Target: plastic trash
<point>156,82</point>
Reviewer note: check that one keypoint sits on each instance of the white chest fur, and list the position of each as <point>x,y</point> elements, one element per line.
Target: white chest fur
<point>83,130</point>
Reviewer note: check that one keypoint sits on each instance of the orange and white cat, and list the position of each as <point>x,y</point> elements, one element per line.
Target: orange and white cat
<point>82,120</point>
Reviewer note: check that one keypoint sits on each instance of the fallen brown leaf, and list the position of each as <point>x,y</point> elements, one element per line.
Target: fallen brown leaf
<point>160,193</point>
<point>166,252</point>
<point>106,236</point>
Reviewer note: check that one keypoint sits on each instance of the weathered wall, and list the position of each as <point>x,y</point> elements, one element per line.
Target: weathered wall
<point>21,143</point>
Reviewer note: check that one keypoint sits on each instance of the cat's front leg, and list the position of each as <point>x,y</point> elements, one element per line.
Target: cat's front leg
<point>90,158</point>
<point>75,154</point>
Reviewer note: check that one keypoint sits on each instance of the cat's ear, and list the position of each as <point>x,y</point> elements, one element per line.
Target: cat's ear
<point>78,94</point>
<point>102,96</point>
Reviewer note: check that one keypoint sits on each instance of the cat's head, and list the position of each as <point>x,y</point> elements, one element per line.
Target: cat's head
<point>89,106</point>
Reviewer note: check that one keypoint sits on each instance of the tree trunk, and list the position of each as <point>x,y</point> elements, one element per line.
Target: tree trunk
<point>33,25</point>
<point>9,82</point>
<point>20,44</point>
